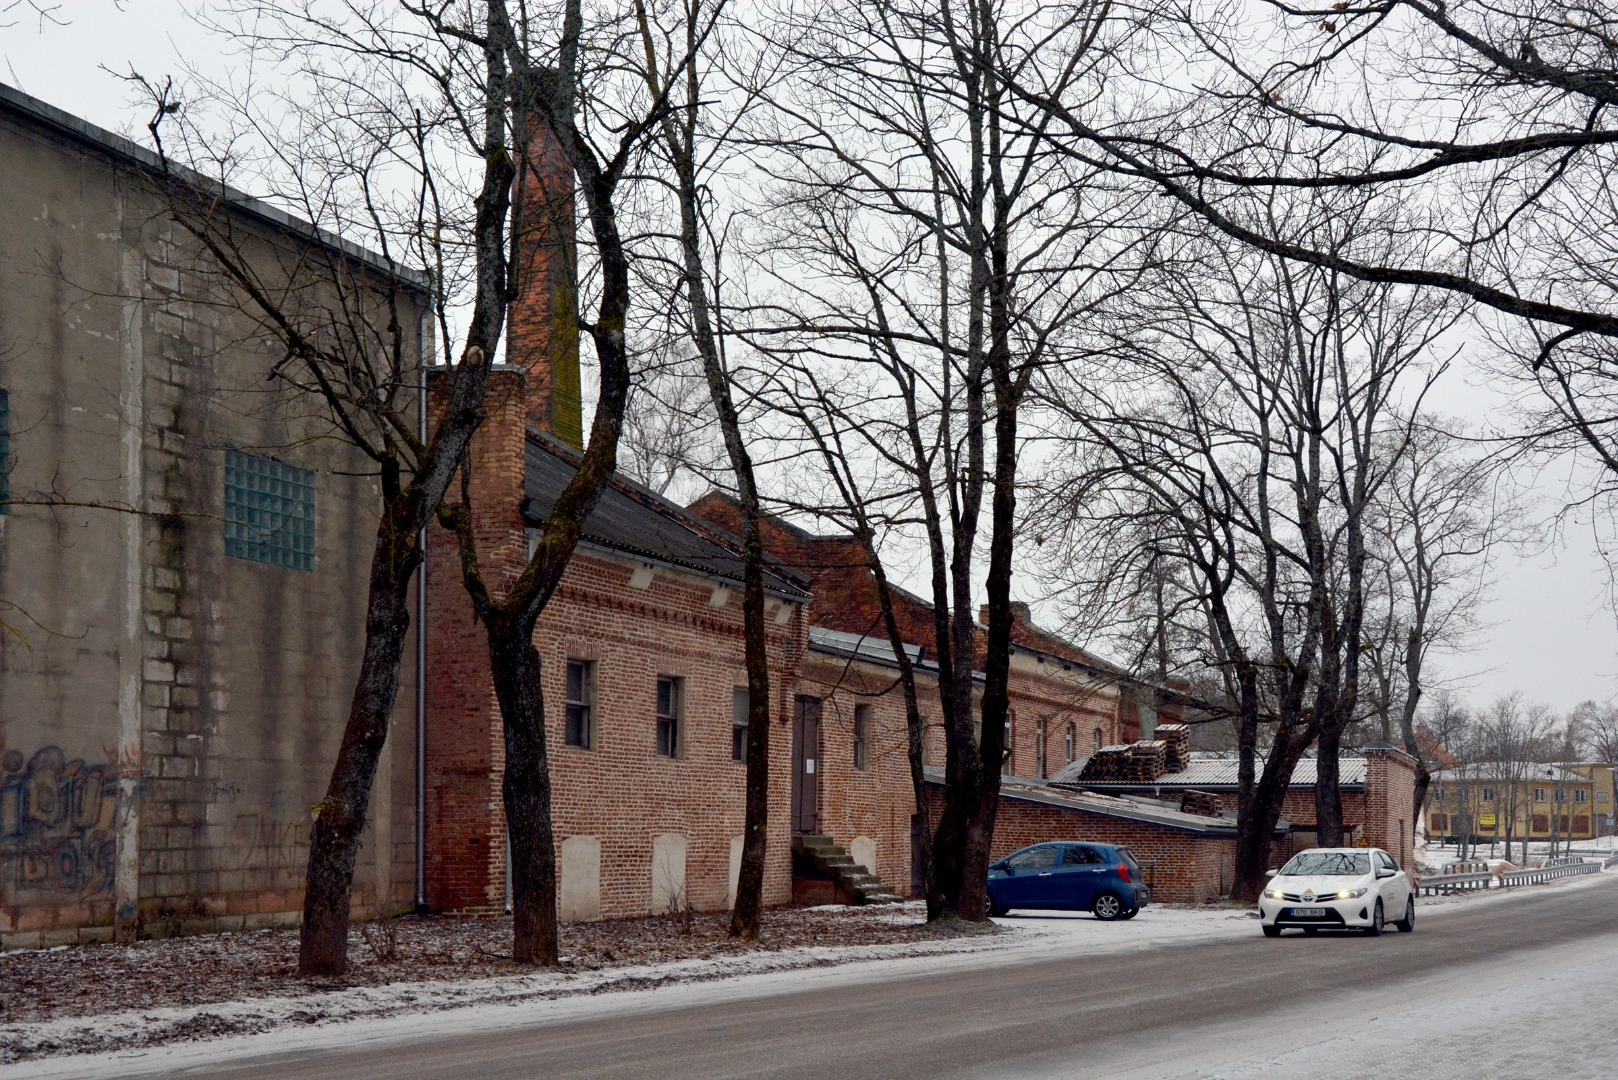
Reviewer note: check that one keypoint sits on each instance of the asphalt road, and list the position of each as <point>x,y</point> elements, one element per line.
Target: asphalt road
<point>1513,988</point>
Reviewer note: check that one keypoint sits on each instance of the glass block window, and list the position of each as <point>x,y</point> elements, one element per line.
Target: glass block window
<point>738,724</point>
<point>269,511</point>
<point>5,453</point>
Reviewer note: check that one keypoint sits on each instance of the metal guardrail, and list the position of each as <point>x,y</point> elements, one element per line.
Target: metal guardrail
<point>1610,863</point>
<point>1555,868</point>
<point>1434,884</point>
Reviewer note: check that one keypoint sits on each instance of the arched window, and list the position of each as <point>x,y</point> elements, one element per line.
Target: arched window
<point>1067,745</point>
<point>1096,737</point>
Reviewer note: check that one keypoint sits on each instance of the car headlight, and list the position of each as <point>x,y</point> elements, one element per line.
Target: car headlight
<point>1350,894</point>
<point>1273,894</point>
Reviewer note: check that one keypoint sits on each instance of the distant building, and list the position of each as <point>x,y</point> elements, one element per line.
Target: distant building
<point>1537,801</point>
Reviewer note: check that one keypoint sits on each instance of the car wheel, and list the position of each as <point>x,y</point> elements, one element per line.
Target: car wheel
<point>1271,931</point>
<point>1107,906</point>
<point>1408,923</point>
<point>1375,929</point>
<point>997,910</point>
<point>1130,914</point>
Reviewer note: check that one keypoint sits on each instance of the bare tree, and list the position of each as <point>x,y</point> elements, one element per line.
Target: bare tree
<point>403,141</point>
<point>937,257</point>
<point>1249,433</point>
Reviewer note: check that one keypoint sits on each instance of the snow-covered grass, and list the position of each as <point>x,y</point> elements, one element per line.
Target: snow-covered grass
<point>133,1041</point>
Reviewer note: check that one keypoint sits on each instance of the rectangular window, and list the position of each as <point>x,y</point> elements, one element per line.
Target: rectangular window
<point>1539,794</point>
<point>668,715</point>
<point>5,452</point>
<point>738,724</point>
<point>1580,795</point>
<point>269,511</point>
<point>1488,794</point>
<point>862,736</point>
<point>581,693</point>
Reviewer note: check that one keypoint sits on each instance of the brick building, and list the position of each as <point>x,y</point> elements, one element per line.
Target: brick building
<point>1377,790</point>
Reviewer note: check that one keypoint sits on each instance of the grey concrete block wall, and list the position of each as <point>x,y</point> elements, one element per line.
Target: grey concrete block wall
<point>168,714</point>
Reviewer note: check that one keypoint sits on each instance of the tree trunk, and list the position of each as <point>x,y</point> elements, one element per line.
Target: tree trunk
<point>340,817</point>
<point>1328,797</point>
<point>526,790</point>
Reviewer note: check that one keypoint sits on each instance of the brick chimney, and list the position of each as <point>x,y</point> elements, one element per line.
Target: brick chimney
<point>542,330</point>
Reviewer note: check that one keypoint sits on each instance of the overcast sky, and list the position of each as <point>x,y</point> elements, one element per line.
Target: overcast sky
<point>1553,635</point>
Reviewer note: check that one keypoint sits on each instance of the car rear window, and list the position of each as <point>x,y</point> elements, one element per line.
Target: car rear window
<point>1129,857</point>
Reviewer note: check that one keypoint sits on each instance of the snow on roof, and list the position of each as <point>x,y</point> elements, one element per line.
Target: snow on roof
<point>1500,772</point>
<point>1216,772</point>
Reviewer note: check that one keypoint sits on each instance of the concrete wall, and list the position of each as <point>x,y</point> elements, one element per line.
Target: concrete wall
<point>167,714</point>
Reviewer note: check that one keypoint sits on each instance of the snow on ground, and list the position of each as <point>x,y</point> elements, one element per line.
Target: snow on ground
<point>137,1041</point>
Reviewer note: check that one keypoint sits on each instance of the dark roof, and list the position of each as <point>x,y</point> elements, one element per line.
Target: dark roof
<point>632,520</point>
<point>37,114</point>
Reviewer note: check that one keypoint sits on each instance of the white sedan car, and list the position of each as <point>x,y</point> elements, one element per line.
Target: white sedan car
<point>1338,889</point>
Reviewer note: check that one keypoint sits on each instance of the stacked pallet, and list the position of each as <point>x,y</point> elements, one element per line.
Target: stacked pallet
<point>1177,737</point>
<point>1201,803</point>
<point>1148,760</point>
<point>1109,764</point>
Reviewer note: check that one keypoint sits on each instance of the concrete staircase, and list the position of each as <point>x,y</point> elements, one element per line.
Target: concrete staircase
<point>820,860</point>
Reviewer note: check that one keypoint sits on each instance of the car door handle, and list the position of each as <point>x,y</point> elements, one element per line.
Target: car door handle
<point>1046,873</point>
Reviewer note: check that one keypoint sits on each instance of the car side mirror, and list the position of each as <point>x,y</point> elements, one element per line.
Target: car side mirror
<point>1271,873</point>
<point>1384,872</point>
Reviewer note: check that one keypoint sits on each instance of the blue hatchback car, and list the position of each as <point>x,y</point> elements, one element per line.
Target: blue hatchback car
<point>1103,879</point>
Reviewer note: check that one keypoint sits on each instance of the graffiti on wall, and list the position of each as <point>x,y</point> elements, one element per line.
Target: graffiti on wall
<point>56,826</point>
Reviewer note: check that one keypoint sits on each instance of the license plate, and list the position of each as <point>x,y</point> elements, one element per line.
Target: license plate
<point>1308,912</point>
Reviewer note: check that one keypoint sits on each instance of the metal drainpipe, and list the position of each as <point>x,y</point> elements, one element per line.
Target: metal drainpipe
<point>421,635</point>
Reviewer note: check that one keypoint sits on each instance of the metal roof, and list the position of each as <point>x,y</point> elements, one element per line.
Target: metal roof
<point>1494,772</point>
<point>859,646</point>
<point>633,521</point>
<point>1037,791</point>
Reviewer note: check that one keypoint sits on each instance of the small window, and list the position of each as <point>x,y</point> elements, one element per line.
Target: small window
<point>1561,794</point>
<point>1488,794</point>
<point>862,736</point>
<point>738,724</point>
<point>5,452</point>
<point>1095,737</point>
<point>269,511</point>
<point>668,715</point>
<point>1580,795</point>
<point>1039,749</point>
<point>1068,744</point>
<point>581,680</point>
<point>1539,794</point>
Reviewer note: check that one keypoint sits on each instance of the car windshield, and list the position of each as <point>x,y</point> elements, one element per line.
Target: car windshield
<point>1328,863</point>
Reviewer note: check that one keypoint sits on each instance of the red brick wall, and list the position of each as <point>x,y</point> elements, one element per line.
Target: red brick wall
<point>620,791</point>
<point>1184,868</point>
<point>1390,790</point>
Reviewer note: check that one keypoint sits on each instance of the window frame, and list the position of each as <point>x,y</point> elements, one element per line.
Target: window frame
<point>1071,740</point>
<point>585,702</point>
<point>254,485</point>
<point>862,737</point>
<point>740,710</point>
<point>672,722</point>
<point>1540,794</point>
